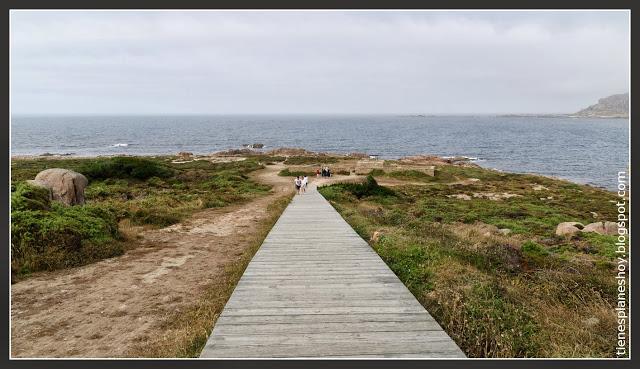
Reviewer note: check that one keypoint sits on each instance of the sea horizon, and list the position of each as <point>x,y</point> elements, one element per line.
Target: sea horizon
<point>23,115</point>
<point>555,146</point>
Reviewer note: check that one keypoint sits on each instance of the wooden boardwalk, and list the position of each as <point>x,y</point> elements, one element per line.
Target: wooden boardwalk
<point>316,289</point>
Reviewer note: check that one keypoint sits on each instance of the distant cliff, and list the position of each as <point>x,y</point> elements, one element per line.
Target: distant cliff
<point>614,106</point>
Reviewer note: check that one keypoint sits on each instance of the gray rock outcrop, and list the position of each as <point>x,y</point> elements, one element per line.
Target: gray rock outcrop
<point>607,228</point>
<point>65,185</point>
<point>571,228</point>
<point>568,228</point>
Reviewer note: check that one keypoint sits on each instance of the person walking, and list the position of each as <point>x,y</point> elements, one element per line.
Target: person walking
<point>298,183</point>
<point>305,181</point>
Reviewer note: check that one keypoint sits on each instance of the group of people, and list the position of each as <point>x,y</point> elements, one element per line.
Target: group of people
<point>325,172</point>
<point>301,184</point>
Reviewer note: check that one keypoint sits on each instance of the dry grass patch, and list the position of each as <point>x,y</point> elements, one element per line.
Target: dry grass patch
<point>132,232</point>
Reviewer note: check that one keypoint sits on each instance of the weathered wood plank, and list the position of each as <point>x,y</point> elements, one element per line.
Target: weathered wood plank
<point>323,318</point>
<point>320,327</point>
<point>350,338</point>
<point>316,289</point>
<point>433,349</point>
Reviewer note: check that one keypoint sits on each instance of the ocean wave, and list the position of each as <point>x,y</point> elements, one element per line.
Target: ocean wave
<point>120,145</point>
<point>470,158</point>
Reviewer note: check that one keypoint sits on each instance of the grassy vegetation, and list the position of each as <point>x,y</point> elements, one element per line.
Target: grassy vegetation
<point>441,175</point>
<point>46,236</point>
<point>140,191</point>
<point>525,294</point>
<point>126,168</point>
<point>368,188</point>
<point>187,331</point>
<point>264,158</point>
<point>304,160</point>
<point>296,173</point>
<point>28,197</point>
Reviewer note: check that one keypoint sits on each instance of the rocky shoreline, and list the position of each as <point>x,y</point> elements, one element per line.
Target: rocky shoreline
<point>239,153</point>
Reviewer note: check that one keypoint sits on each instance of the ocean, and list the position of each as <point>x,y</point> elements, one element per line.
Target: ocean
<point>583,150</point>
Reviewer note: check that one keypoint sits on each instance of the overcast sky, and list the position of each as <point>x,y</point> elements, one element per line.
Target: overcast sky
<point>208,62</point>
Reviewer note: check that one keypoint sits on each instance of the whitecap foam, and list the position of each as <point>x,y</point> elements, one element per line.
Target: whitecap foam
<point>120,145</point>
<point>470,158</point>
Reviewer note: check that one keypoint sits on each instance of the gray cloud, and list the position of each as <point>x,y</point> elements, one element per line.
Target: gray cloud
<point>315,62</point>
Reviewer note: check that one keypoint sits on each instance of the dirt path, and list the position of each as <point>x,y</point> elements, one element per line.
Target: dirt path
<point>103,309</point>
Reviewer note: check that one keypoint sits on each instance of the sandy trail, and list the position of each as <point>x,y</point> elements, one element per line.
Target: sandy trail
<point>105,308</point>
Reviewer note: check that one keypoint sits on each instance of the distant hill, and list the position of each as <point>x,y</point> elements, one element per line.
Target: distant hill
<point>614,106</point>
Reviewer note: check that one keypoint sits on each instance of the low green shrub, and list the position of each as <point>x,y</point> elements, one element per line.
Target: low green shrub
<point>287,173</point>
<point>108,189</point>
<point>369,188</point>
<point>302,160</point>
<point>27,197</point>
<point>155,182</point>
<point>408,263</point>
<point>604,245</point>
<point>62,237</point>
<point>533,249</point>
<point>125,167</point>
<point>154,216</point>
<point>411,175</point>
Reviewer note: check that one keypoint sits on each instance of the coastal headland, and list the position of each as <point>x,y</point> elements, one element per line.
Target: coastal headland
<point>145,266</point>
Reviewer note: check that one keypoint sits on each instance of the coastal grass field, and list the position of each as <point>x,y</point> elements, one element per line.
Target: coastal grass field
<point>125,195</point>
<point>478,249</point>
